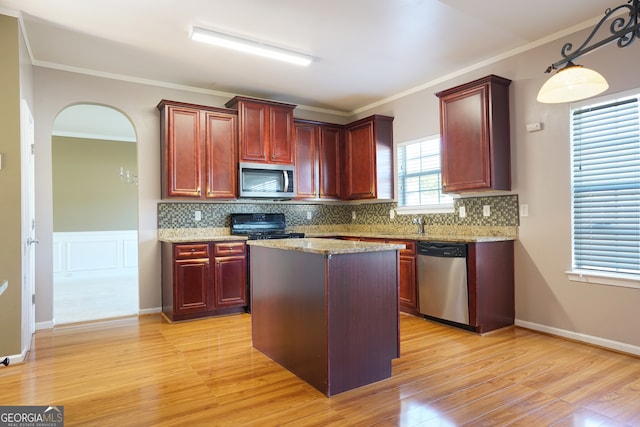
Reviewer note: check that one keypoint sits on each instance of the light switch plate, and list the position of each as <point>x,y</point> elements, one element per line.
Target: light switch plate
<point>198,216</point>
<point>486,210</point>
<point>308,214</point>
<point>462,211</point>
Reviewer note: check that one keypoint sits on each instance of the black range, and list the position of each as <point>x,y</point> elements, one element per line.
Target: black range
<point>261,226</point>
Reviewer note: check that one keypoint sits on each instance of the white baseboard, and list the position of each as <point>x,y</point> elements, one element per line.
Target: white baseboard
<point>16,358</point>
<point>150,311</point>
<point>589,339</point>
<point>41,326</point>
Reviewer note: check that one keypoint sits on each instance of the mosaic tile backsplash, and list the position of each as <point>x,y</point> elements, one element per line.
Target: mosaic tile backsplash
<point>504,212</point>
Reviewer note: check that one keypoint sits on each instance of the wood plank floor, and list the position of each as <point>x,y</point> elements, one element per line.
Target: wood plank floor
<point>146,372</point>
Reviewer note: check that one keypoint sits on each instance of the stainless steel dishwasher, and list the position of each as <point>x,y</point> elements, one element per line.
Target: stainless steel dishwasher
<point>442,281</point>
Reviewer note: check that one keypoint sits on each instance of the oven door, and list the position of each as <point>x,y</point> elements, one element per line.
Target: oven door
<point>259,180</point>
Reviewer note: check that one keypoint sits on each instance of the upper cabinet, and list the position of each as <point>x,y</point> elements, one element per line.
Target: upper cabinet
<point>475,136</point>
<point>199,157</point>
<point>317,159</point>
<point>265,132</point>
<point>368,159</point>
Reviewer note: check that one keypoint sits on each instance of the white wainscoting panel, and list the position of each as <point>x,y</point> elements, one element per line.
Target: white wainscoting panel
<point>104,252</point>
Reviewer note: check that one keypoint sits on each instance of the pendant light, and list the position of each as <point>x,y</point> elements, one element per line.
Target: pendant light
<point>572,83</point>
<point>575,82</point>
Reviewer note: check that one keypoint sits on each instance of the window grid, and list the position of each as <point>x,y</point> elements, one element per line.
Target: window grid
<point>419,177</point>
<point>606,187</point>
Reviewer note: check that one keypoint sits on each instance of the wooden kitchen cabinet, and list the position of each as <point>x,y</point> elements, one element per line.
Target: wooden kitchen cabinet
<point>408,291</point>
<point>265,132</point>
<point>475,136</point>
<point>317,160</point>
<point>198,151</point>
<point>203,279</point>
<point>491,276</point>
<point>230,266</point>
<point>368,159</point>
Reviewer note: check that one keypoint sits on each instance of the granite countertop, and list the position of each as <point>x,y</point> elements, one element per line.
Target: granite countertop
<point>417,237</point>
<point>326,246</point>
<point>183,235</point>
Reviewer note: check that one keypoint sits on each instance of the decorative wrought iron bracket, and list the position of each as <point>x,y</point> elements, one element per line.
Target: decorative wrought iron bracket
<point>624,29</point>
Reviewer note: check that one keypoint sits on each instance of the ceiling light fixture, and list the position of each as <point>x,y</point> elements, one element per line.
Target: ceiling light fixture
<point>249,46</point>
<point>574,82</point>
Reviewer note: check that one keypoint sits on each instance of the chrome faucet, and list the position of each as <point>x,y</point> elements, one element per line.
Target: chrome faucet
<point>419,221</point>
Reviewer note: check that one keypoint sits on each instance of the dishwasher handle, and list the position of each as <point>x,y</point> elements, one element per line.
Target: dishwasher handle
<point>443,249</point>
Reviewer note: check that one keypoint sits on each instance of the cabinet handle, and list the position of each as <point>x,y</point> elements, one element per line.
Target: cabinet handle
<point>193,250</point>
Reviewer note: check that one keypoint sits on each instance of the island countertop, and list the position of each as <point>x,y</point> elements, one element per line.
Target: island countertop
<point>326,246</point>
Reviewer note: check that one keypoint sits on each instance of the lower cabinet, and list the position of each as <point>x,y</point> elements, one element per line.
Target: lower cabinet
<point>203,279</point>
<point>408,292</point>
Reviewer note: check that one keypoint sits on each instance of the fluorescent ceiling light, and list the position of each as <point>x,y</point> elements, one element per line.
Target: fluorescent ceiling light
<point>249,46</point>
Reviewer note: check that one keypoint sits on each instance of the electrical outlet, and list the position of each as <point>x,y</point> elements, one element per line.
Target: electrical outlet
<point>462,211</point>
<point>308,214</point>
<point>486,210</point>
<point>392,214</point>
<point>198,216</point>
<point>524,210</point>
<point>353,214</point>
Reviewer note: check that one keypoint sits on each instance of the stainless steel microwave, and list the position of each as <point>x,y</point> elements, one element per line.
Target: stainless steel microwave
<point>266,180</point>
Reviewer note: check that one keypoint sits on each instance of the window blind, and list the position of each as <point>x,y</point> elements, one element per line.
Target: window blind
<point>606,187</point>
<point>419,177</point>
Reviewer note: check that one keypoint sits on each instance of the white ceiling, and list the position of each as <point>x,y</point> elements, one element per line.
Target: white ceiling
<point>365,50</point>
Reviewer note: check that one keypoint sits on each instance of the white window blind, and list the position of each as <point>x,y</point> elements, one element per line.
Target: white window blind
<point>606,187</point>
<point>419,177</point>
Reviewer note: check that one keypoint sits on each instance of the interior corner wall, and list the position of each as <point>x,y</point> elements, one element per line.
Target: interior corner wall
<point>10,187</point>
<point>540,175</point>
<point>540,163</point>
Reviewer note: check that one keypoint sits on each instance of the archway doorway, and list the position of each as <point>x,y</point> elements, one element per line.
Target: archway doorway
<point>95,214</point>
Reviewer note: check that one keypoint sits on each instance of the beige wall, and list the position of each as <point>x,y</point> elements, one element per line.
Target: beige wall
<point>540,164</point>
<point>10,183</point>
<point>88,194</point>
<point>545,298</point>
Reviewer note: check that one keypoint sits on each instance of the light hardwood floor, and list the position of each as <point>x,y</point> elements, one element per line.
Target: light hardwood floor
<point>146,372</point>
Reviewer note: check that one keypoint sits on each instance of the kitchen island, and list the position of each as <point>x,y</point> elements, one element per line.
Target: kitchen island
<point>326,310</point>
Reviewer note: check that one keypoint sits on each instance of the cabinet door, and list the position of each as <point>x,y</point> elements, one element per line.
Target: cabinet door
<point>231,281</point>
<point>182,153</point>
<point>408,288</point>
<point>305,160</point>
<point>191,286</point>
<point>253,131</point>
<point>280,135</point>
<point>475,136</point>
<point>222,162</point>
<point>329,162</point>
<point>465,141</point>
<point>360,162</point>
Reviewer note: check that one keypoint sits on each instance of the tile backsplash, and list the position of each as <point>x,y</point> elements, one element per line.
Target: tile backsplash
<point>504,212</point>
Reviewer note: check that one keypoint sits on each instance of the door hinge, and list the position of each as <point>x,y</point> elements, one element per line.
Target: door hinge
<point>33,298</point>
<point>33,149</point>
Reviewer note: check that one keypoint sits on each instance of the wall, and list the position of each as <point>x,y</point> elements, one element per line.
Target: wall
<point>10,184</point>
<point>545,298</point>
<point>88,194</point>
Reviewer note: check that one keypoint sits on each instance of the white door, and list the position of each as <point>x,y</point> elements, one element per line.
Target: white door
<point>28,226</point>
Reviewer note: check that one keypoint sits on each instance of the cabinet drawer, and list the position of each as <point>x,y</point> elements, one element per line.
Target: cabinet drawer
<point>229,248</point>
<point>191,251</point>
<point>410,247</point>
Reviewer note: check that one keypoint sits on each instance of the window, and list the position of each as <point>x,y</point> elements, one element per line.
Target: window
<point>419,177</point>
<point>606,188</point>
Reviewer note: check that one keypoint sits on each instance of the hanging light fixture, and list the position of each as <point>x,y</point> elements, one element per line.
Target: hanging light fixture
<point>249,46</point>
<point>574,82</point>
